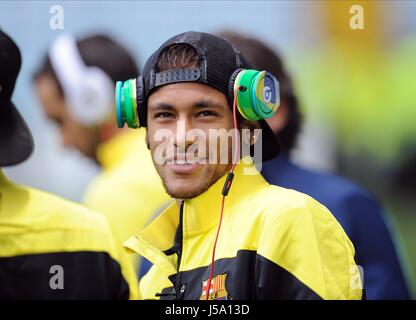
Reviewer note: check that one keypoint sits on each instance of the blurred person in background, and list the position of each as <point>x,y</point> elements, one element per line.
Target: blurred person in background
<point>50,248</point>
<point>75,84</point>
<point>359,213</point>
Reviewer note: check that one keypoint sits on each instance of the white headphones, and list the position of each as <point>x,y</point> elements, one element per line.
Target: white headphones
<point>89,91</point>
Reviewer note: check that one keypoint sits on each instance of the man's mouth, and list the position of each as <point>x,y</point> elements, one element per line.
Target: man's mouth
<point>184,165</point>
<point>185,159</point>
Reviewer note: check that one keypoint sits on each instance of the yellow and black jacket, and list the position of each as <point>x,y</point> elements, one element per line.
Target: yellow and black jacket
<point>128,191</point>
<point>39,231</point>
<point>274,243</point>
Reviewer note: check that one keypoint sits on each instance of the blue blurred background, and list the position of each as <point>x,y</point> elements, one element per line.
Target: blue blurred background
<point>357,87</point>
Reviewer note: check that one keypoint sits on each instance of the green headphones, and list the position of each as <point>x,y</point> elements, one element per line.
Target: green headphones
<point>257,97</point>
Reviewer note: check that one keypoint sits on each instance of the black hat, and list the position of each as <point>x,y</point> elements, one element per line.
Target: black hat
<point>16,142</point>
<point>218,62</point>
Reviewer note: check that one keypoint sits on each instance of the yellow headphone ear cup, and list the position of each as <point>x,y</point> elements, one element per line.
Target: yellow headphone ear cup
<point>257,94</point>
<point>267,97</point>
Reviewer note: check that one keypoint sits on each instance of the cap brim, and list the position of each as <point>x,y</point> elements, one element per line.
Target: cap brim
<point>16,142</point>
<point>270,144</point>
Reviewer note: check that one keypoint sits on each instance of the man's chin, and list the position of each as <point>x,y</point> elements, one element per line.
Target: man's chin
<point>189,186</point>
<point>185,190</point>
<point>182,194</point>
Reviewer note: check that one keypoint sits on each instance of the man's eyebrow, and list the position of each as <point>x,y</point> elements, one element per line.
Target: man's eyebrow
<point>162,106</point>
<point>207,103</point>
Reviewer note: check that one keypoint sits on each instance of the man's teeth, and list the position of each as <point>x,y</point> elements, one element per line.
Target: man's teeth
<point>185,162</point>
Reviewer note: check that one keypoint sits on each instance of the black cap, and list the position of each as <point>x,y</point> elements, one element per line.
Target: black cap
<point>16,142</point>
<point>219,60</point>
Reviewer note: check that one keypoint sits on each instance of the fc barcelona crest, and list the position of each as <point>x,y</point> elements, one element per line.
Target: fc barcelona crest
<point>217,290</point>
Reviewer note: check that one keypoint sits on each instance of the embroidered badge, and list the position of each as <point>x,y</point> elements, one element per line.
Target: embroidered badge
<point>217,290</point>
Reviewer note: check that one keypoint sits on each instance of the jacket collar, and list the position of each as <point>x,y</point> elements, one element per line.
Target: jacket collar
<point>200,214</point>
<point>3,178</point>
<point>115,150</point>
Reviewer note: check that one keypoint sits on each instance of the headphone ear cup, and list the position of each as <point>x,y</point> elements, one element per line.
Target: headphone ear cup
<point>266,95</point>
<point>126,104</point>
<point>257,94</point>
<point>243,86</point>
<point>119,107</point>
<point>141,102</point>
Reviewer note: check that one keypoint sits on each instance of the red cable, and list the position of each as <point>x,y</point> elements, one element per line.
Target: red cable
<point>236,145</point>
<point>213,250</point>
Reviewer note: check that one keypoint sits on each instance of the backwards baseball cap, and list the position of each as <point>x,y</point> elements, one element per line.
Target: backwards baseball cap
<point>219,60</point>
<point>16,142</point>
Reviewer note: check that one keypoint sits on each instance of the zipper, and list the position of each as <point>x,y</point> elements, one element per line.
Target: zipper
<point>179,288</point>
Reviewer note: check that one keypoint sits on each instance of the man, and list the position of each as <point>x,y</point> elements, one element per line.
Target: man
<point>50,248</point>
<point>75,85</point>
<point>358,212</point>
<point>273,243</point>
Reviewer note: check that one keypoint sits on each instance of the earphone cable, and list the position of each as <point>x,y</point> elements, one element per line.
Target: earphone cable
<point>226,188</point>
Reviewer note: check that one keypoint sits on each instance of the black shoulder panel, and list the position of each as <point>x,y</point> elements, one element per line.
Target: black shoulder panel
<point>62,275</point>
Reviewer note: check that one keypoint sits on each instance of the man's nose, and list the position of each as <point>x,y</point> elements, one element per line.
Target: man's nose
<point>182,136</point>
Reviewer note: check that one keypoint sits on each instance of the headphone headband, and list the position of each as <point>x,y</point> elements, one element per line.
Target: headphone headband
<point>88,89</point>
<point>66,61</point>
<point>257,94</point>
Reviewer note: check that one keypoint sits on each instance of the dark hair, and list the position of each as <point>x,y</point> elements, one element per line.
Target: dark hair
<point>263,57</point>
<point>100,51</point>
<point>178,56</point>
<point>181,56</point>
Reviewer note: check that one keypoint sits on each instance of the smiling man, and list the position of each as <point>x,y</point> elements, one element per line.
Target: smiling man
<point>229,235</point>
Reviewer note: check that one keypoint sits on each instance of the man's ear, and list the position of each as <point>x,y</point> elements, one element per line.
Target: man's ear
<point>248,124</point>
<point>251,125</point>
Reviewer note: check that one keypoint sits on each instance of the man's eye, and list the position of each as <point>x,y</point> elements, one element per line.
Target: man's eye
<point>206,114</point>
<point>163,115</point>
